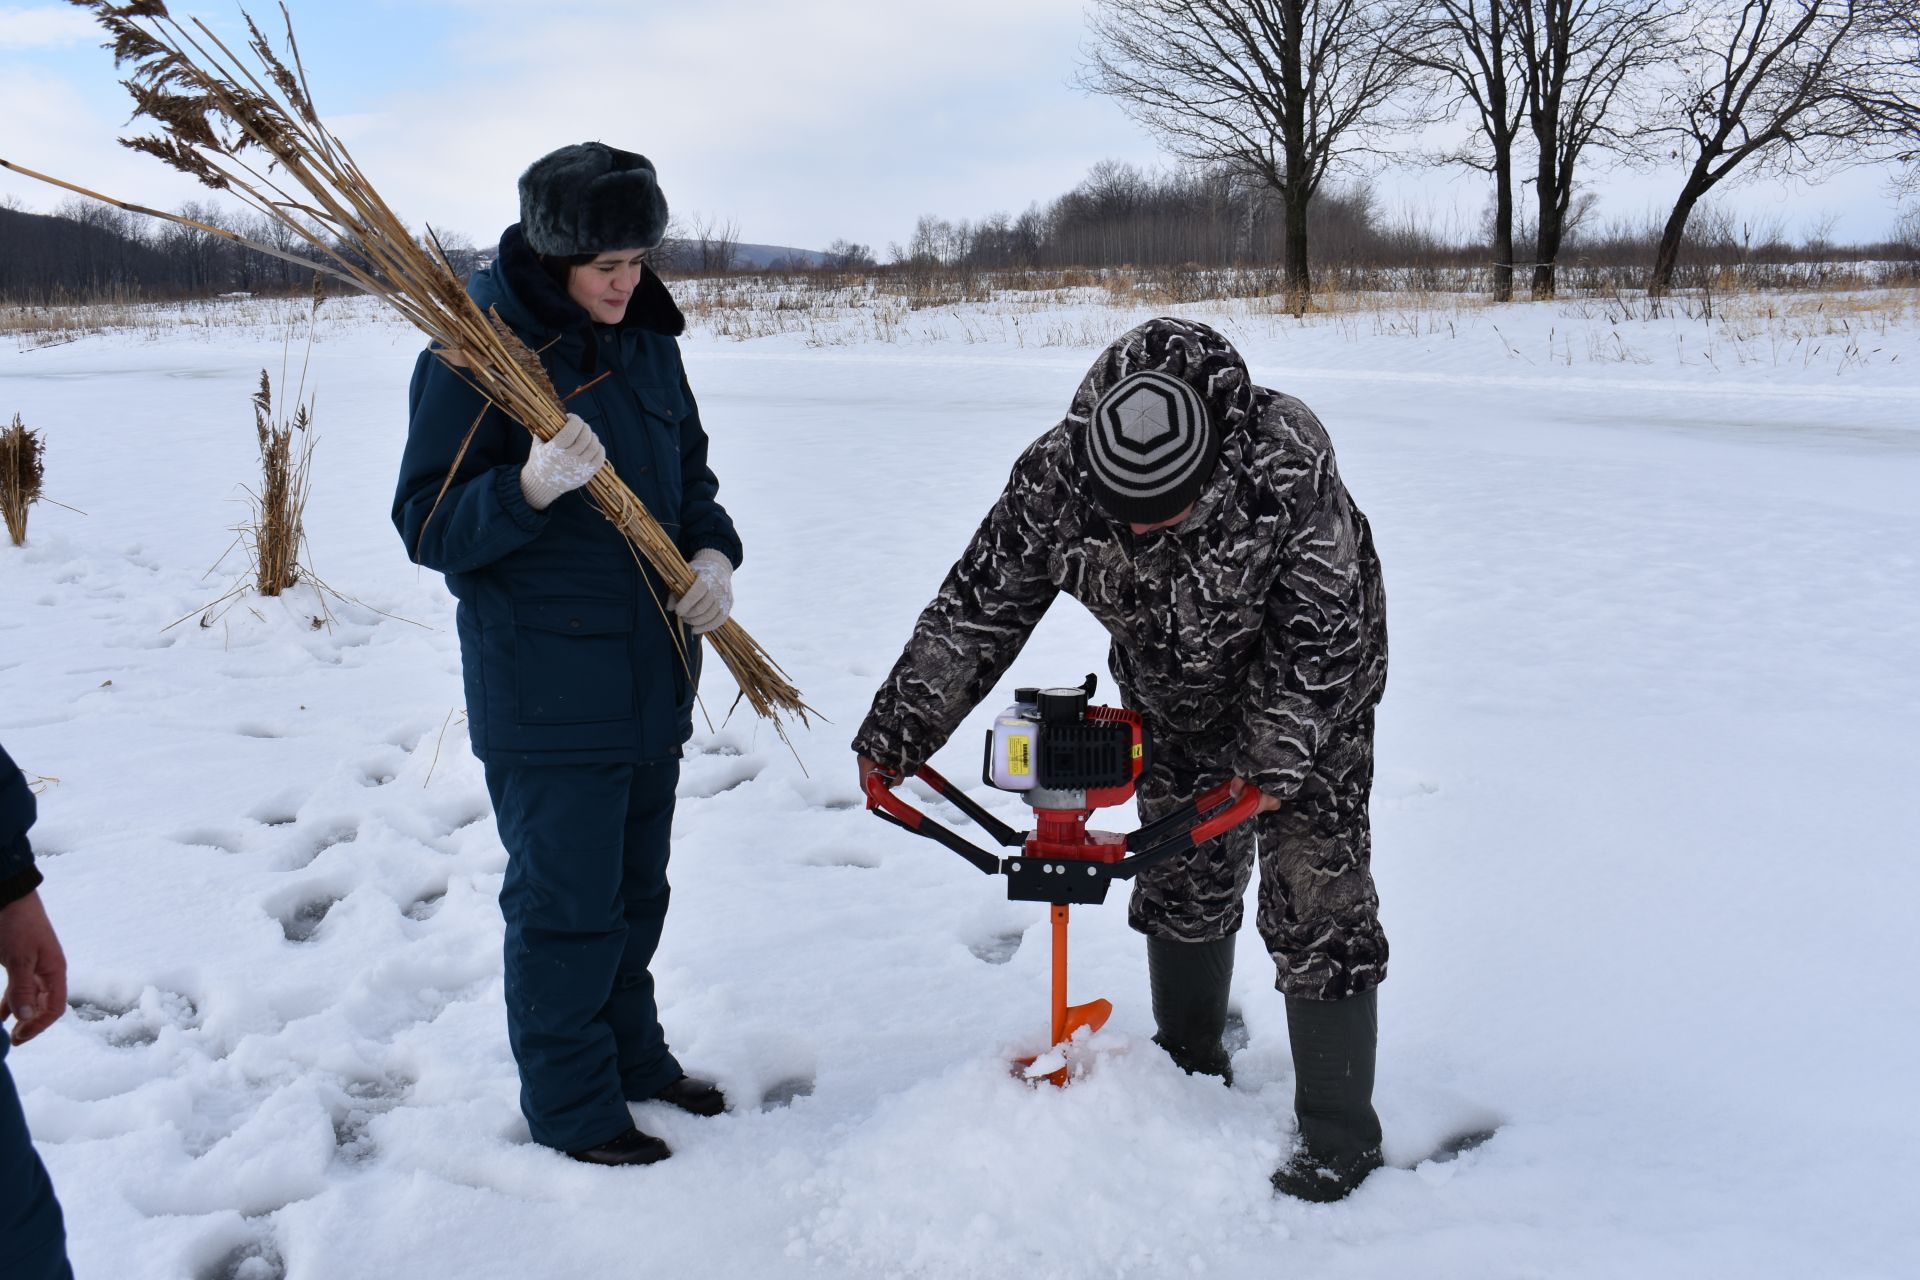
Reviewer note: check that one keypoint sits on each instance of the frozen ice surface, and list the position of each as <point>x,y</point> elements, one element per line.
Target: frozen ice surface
<point>1645,826</point>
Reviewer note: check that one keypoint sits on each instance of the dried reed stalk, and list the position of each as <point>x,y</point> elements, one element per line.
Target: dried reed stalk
<point>276,532</point>
<point>21,474</point>
<point>249,128</point>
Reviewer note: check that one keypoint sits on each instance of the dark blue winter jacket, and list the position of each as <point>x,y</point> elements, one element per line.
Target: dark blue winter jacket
<point>565,641</point>
<point>17,875</point>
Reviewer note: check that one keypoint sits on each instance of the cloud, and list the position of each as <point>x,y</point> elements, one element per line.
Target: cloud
<point>802,122</point>
<point>44,27</point>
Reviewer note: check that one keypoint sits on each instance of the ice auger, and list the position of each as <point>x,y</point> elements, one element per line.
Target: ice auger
<point>1066,759</point>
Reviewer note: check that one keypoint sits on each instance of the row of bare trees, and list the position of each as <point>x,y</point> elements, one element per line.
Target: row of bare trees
<point>89,251</point>
<point>1121,214</point>
<point>1286,92</point>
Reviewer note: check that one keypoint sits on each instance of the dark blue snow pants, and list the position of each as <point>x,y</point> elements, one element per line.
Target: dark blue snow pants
<point>584,899</point>
<point>33,1236</point>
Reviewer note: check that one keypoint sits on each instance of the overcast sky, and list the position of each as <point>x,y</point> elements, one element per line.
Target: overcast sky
<point>803,122</point>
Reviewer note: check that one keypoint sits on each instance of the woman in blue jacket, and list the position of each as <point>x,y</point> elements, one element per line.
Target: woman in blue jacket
<point>579,667</point>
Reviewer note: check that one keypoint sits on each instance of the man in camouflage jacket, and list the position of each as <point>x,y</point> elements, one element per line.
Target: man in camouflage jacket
<point>1249,631</point>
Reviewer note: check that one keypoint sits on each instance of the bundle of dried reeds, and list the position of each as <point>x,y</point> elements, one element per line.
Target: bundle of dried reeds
<point>276,530</point>
<point>249,127</point>
<point>21,474</point>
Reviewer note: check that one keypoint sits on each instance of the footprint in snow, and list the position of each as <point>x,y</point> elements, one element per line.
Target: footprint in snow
<point>379,771</point>
<point>210,838</point>
<point>426,905</point>
<point>1235,1036</point>
<point>861,859</point>
<point>783,1093</point>
<point>257,1259</point>
<point>302,919</point>
<point>298,854</point>
<point>998,949</point>
<point>409,738</point>
<point>359,1101</point>
<point>134,1024</point>
<point>713,774</point>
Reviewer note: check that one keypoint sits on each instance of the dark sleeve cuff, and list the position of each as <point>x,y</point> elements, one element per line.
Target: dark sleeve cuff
<point>17,887</point>
<point>513,499</point>
<point>728,547</point>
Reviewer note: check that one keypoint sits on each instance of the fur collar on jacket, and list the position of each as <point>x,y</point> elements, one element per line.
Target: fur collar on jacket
<point>519,272</point>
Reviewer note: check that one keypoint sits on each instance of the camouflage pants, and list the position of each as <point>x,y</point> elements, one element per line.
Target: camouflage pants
<point>1318,912</point>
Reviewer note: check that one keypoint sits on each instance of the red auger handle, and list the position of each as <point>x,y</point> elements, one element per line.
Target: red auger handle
<point>1227,819</point>
<point>882,802</point>
<point>1181,830</point>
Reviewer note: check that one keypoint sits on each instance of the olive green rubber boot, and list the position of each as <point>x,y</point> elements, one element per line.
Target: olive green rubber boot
<point>1190,982</point>
<point>1333,1050</point>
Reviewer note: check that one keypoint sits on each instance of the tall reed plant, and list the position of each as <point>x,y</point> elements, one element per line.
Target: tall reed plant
<point>274,533</point>
<point>22,472</point>
<point>247,126</point>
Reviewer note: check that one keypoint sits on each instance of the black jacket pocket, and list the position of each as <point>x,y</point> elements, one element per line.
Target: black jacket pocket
<point>573,660</point>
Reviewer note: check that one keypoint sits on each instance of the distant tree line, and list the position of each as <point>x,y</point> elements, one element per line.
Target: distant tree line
<point>1124,216</point>
<point>1276,108</point>
<point>1285,93</point>
<point>86,251</point>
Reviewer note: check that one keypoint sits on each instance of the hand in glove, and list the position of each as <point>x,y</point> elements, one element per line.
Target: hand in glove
<point>562,464</point>
<point>710,599</point>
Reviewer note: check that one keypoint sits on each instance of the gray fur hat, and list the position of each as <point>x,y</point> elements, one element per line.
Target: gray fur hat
<point>591,198</point>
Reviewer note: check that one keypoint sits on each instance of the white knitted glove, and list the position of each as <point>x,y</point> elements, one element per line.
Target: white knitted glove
<point>710,599</point>
<point>562,464</point>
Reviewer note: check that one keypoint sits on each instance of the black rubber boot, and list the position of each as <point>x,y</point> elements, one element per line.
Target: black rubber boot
<point>691,1093</point>
<point>1190,982</point>
<point>635,1146</point>
<point>1333,1050</point>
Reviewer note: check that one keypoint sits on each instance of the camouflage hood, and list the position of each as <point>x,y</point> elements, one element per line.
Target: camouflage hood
<point>1195,354</point>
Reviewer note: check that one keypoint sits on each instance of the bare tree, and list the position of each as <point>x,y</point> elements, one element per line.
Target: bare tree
<point>1787,86</point>
<point>1469,45</point>
<point>1580,59</point>
<point>845,255</point>
<point>716,244</point>
<point>1280,90</point>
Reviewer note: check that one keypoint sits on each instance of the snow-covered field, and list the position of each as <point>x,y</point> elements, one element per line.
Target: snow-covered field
<point>1646,831</point>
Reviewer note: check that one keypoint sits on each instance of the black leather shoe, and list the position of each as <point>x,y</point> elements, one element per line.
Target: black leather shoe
<point>631,1147</point>
<point>691,1093</point>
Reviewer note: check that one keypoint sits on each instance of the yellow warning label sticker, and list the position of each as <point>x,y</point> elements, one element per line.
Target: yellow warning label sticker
<point>1020,754</point>
<point>1139,749</point>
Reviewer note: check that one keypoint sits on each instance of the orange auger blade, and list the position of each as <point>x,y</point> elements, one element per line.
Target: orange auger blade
<point>1092,1015</point>
<point>1067,1019</point>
